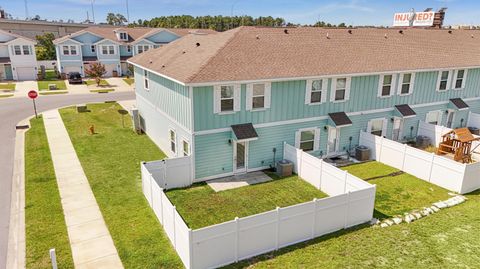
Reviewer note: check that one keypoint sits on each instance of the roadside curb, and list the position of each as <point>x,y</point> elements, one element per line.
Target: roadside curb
<point>16,248</point>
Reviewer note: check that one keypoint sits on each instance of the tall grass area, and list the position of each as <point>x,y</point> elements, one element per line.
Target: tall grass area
<point>44,220</point>
<point>111,160</point>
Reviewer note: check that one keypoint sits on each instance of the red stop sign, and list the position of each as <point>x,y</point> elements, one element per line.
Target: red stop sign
<point>32,94</point>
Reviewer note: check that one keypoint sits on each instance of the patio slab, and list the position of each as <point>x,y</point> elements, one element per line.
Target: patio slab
<point>237,181</point>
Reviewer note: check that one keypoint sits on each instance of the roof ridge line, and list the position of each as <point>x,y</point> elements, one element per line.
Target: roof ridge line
<point>192,77</point>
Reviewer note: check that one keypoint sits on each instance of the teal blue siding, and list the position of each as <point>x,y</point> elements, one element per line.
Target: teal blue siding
<point>87,51</point>
<point>288,100</point>
<point>4,51</point>
<point>213,155</point>
<point>168,96</point>
<point>124,52</point>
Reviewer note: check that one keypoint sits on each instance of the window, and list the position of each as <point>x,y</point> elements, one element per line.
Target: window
<point>386,85</point>
<point>26,49</point>
<point>186,148</point>
<point>93,49</point>
<point>146,80</point>
<point>377,127</point>
<point>460,77</point>
<point>156,46</point>
<point>341,89</point>
<point>307,139</point>
<point>17,50</point>
<point>226,98</point>
<point>316,91</point>
<point>434,117</point>
<point>258,96</point>
<point>129,48</point>
<point>142,48</point>
<point>73,50</point>
<point>108,50</point>
<point>69,50</point>
<point>443,78</point>
<point>123,36</point>
<point>406,83</point>
<point>173,141</point>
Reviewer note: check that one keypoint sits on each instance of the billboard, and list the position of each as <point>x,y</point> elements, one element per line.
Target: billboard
<point>414,19</point>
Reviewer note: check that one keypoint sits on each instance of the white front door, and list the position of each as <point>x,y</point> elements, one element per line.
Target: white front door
<point>450,117</point>
<point>397,132</point>
<point>240,157</point>
<point>333,140</point>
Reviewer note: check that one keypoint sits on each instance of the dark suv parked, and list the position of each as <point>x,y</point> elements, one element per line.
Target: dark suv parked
<point>75,77</point>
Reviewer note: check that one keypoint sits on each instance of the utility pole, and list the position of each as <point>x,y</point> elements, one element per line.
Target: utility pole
<point>128,13</point>
<point>93,11</point>
<point>26,10</point>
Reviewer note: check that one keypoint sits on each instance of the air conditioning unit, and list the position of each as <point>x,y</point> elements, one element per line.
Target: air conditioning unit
<point>138,122</point>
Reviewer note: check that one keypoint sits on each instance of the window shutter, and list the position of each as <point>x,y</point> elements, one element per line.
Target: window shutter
<point>464,78</point>
<point>297,139</point>
<point>334,88</point>
<point>324,90</point>
<point>384,128</point>
<point>216,99</point>
<point>237,102</point>
<point>347,88</point>
<point>380,85</point>
<point>268,94</point>
<point>248,105</point>
<point>439,78</point>
<point>450,79</point>
<point>308,91</point>
<point>316,142</point>
<point>393,85</point>
<point>412,83</point>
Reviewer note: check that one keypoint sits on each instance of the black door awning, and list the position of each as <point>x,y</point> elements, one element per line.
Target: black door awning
<point>339,119</point>
<point>404,111</point>
<point>458,103</point>
<point>243,132</point>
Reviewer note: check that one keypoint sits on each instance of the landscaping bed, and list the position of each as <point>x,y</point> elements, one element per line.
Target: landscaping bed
<point>111,161</point>
<point>44,220</point>
<point>8,87</point>
<point>397,192</point>
<point>91,82</point>
<point>201,206</point>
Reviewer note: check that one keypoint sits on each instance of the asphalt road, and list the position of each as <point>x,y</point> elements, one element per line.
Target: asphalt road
<point>12,111</point>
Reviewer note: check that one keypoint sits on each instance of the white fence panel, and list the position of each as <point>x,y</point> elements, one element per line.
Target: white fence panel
<point>372,142</point>
<point>333,180</point>
<point>292,154</point>
<point>157,194</point>
<point>146,184</point>
<point>354,183</point>
<point>434,132</point>
<point>392,153</point>
<point>447,173</point>
<point>472,178</point>
<point>418,163</point>
<point>49,64</point>
<point>330,214</point>
<point>473,120</point>
<point>295,223</point>
<point>168,218</point>
<point>178,172</point>
<point>257,234</point>
<point>360,206</point>
<point>182,239</point>
<point>311,169</point>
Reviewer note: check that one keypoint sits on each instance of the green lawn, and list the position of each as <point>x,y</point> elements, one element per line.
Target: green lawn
<point>44,221</point>
<point>7,86</point>
<point>90,82</point>
<point>129,81</point>
<point>43,85</point>
<point>5,95</point>
<point>201,206</point>
<point>397,194</point>
<point>102,90</point>
<point>53,92</point>
<point>111,160</point>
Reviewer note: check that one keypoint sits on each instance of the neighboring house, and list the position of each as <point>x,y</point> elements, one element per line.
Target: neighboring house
<point>111,46</point>
<point>230,100</point>
<point>17,57</point>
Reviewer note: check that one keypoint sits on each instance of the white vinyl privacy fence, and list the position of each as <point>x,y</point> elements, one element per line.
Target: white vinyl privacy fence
<point>432,131</point>
<point>351,203</point>
<point>438,170</point>
<point>473,120</point>
<point>171,173</point>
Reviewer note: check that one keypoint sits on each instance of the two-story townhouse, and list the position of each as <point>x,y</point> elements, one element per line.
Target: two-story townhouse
<point>18,60</point>
<point>231,100</point>
<point>111,46</point>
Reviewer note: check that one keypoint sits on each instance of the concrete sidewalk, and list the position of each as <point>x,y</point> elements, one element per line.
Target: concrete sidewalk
<point>92,245</point>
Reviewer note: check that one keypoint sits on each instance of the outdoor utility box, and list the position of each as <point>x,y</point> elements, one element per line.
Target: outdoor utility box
<point>284,168</point>
<point>474,130</point>
<point>423,141</point>
<point>362,153</point>
<point>114,73</point>
<point>52,87</point>
<point>81,108</point>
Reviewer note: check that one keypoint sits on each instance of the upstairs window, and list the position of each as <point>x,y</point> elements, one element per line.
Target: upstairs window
<point>108,50</point>
<point>17,50</point>
<point>186,148</point>
<point>69,50</point>
<point>258,96</point>
<point>386,84</point>
<point>146,81</point>
<point>407,81</point>
<point>226,98</point>
<point>123,36</point>
<point>460,78</point>
<point>341,90</point>
<point>316,92</point>
<point>93,48</point>
<point>443,79</point>
<point>129,48</point>
<point>173,141</point>
<point>26,50</point>
<point>142,48</point>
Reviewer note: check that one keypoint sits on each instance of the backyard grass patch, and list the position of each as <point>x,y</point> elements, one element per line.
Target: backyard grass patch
<point>102,90</point>
<point>111,160</point>
<point>103,82</point>
<point>44,220</point>
<point>43,85</point>
<point>397,193</point>
<point>50,75</point>
<point>129,81</point>
<point>7,87</point>
<point>201,206</point>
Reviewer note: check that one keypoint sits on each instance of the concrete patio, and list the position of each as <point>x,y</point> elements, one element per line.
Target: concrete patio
<point>237,181</point>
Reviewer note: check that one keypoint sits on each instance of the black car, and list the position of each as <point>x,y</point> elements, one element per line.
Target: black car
<point>75,77</point>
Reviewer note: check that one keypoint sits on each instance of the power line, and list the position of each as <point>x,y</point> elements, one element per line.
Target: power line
<point>128,13</point>
<point>26,10</point>
<point>93,11</point>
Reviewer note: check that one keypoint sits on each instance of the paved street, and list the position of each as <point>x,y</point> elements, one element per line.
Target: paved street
<point>12,110</point>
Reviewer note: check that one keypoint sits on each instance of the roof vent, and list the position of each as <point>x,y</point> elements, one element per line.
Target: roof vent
<point>350,31</point>
<point>386,36</point>
<point>151,61</point>
<point>328,36</point>
<point>472,36</point>
<point>163,66</point>
<point>183,52</point>
<point>257,37</point>
<point>450,31</point>
<point>285,31</point>
<point>198,44</point>
<point>401,32</point>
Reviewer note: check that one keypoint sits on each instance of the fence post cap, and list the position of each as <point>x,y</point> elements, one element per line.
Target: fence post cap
<point>236,218</point>
<point>277,208</point>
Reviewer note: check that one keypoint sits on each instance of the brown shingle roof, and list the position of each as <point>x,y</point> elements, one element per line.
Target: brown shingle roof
<point>251,53</point>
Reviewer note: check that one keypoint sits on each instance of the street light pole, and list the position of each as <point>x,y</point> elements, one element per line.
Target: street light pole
<point>128,12</point>
<point>93,11</point>
<point>231,13</point>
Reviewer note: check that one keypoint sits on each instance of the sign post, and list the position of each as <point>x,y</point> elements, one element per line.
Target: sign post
<point>33,95</point>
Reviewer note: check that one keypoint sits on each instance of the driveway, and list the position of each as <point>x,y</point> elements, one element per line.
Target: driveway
<point>12,111</point>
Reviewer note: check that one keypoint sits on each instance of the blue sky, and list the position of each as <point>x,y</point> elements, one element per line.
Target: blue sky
<point>356,12</point>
